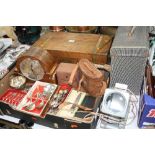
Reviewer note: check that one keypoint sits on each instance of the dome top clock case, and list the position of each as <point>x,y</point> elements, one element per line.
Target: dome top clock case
<point>35,64</point>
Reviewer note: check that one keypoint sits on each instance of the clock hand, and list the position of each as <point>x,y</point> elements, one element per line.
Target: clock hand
<point>33,71</point>
<point>35,74</point>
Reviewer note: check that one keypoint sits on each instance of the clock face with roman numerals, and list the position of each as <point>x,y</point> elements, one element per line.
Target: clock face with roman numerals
<point>32,69</point>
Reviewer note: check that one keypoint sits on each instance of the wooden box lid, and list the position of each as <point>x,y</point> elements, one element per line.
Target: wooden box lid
<point>74,42</point>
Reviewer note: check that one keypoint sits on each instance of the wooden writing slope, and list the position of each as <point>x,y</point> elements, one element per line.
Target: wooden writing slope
<point>70,47</point>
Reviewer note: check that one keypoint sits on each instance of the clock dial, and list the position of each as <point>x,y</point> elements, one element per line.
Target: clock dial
<point>32,69</point>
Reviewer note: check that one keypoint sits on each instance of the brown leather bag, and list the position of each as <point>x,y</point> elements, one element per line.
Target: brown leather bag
<point>91,79</point>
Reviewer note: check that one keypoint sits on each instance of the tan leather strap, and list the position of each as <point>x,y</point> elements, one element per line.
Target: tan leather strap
<point>80,82</point>
<point>70,82</point>
<point>105,67</point>
<point>103,88</point>
<point>82,107</point>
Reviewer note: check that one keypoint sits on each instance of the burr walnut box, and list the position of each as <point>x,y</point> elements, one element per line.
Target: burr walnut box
<point>71,47</point>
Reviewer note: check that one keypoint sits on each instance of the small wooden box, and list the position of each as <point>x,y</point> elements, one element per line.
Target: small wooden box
<point>71,47</point>
<point>63,72</point>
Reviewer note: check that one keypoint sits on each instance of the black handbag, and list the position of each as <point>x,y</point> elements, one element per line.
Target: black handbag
<point>28,34</point>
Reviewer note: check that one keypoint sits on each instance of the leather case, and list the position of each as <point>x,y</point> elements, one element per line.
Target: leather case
<point>64,72</point>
